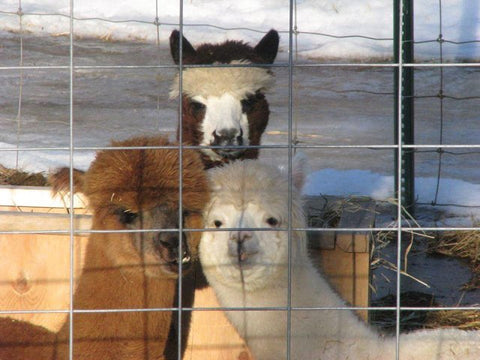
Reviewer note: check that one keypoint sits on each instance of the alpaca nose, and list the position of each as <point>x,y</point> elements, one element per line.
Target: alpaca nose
<point>241,236</point>
<point>240,247</point>
<point>170,241</point>
<point>227,137</point>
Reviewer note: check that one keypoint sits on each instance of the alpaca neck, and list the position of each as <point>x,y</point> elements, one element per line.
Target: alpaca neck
<point>112,335</point>
<point>102,282</point>
<point>313,331</point>
<point>329,332</point>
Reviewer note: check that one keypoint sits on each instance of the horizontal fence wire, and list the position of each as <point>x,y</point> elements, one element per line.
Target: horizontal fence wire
<point>405,228</point>
<point>266,308</point>
<point>276,65</point>
<point>273,146</point>
<point>155,22</point>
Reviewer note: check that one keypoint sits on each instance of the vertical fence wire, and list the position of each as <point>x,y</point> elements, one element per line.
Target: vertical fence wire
<point>20,85</point>
<point>71,195</point>
<point>180,165</point>
<point>157,26</point>
<point>295,32</point>
<point>399,162</point>
<point>290,177</point>
<point>440,95</point>
<point>157,23</point>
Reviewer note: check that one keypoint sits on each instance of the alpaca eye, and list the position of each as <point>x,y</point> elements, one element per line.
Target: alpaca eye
<point>217,223</point>
<point>272,221</point>
<point>248,103</point>
<point>125,216</point>
<point>197,106</point>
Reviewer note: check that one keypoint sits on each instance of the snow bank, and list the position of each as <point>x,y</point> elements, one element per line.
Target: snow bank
<point>343,29</point>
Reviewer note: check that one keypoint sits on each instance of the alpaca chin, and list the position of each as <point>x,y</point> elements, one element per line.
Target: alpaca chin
<point>172,266</point>
<point>230,154</point>
<point>160,268</point>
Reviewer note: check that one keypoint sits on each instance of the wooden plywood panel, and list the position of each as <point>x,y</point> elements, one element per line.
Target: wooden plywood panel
<point>37,221</point>
<point>33,196</point>
<point>35,275</point>
<point>349,273</point>
<point>212,337</point>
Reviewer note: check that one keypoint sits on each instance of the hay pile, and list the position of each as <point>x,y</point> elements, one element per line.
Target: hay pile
<point>18,177</point>
<point>464,245</point>
<point>324,211</point>
<point>461,244</point>
<point>460,319</point>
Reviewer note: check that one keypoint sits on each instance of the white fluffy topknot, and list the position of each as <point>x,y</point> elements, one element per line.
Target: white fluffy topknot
<point>239,81</point>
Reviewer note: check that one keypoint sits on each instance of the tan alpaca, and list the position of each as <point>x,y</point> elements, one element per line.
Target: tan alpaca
<point>132,190</point>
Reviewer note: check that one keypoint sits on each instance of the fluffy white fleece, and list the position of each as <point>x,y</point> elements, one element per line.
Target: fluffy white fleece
<point>248,195</point>
<point>237,81</point>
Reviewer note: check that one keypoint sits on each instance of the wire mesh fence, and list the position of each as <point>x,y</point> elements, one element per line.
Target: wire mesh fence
<point>86,87</point>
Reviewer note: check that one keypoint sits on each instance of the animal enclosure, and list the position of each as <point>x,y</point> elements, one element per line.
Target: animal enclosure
<point>74,78</point>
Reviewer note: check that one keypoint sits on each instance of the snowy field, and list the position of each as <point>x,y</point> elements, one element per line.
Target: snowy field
<point>348,28</point>
<point>332,105</point>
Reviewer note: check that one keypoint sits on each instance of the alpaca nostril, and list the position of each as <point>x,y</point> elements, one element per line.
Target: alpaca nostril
<point>168,241</point>
<point>241,236</point>
<point>245,235</point>
<point>240,138</point>
<point>171,243</point>
<point>226,136</point>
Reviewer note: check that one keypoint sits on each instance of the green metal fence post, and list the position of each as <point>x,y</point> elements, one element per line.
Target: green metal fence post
<point>405,86</point>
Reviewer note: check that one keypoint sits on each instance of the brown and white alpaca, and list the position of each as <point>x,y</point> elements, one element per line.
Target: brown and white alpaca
<point>248,268</point>
<point>224,106</point>
<point>136,192</point>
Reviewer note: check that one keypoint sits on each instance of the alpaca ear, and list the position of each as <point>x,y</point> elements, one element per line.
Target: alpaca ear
<point>60,180</point>
<point>267,48</point>
<point>299,170</point>
<point>187,48</point>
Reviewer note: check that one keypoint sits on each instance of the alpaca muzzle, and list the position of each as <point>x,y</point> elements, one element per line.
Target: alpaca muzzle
<point>241,246</point>
<point>167,245</point>
<point>229,138</point>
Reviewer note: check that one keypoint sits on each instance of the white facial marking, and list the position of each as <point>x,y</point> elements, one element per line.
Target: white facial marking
<point>222,113</point>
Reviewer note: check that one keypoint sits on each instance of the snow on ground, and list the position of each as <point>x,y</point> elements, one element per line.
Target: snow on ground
<point>378,187</point>
<point>354,21</point>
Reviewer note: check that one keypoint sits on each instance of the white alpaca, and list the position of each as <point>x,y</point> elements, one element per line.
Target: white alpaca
<point>250,269</point>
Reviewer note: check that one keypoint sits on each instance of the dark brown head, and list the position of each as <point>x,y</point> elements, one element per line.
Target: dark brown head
<point>225,106</point>
<point>262,53</point>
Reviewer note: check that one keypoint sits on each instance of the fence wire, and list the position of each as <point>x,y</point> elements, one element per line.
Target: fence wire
<point>294,142</point>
